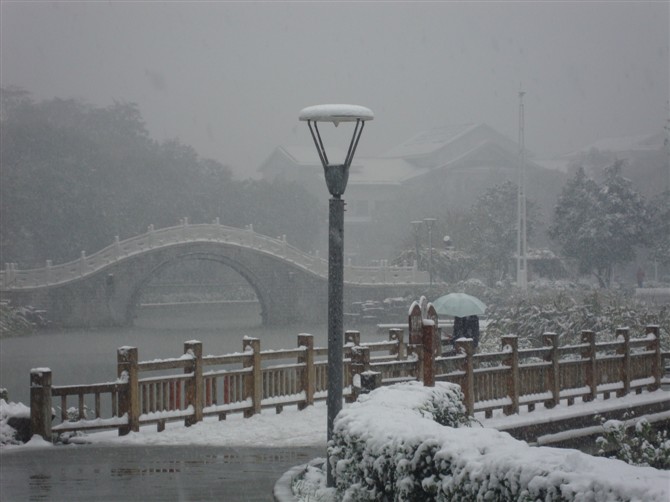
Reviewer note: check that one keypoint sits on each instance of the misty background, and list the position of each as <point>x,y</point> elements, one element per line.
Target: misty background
<point>121,115</point>
<point>229,78</point>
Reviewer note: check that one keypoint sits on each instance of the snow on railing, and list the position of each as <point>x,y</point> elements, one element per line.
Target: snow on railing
<point>13,278</point>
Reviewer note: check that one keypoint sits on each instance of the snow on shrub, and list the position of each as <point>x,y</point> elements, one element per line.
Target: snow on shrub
<point>635,442</point>
<point>8,435</point>
<point>388,446</point>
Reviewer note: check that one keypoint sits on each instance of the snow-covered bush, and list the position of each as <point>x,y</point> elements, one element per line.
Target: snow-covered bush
<point>387,446</point>
<point>9,411</point>
<point>636,444</point>
<point>13,322</point>
<point>567,312</point>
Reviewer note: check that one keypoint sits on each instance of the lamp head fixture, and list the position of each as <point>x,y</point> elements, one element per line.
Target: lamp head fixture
<point>337,175</point>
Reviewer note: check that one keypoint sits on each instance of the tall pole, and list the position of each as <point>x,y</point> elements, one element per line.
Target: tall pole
<point>335,308</point>
<point>521,248</point>
<point>417,228</point>
<point>666,143</point>
<point>429,223</point>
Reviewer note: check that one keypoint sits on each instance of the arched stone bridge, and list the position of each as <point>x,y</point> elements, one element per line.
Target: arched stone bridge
<point>104,288</point>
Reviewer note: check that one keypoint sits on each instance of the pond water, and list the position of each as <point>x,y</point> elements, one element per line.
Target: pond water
<point>86,356</point>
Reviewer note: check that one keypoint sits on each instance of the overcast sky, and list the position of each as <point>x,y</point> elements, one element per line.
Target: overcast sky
<point>229,78</point>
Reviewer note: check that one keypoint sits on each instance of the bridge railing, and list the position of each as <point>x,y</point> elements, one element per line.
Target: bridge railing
<point>13,278</point>
<point>193,386</point>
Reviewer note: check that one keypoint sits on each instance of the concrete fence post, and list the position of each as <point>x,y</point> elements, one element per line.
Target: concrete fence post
<point>40,402</point>
<point>657,361</point>
<point>194,386</point>
<point>253,383</point>
<point>466,346</point>
<point>309,372</point>
<point>589,357</point>
<point>129,393</point>
<point>510,344</point>
<point>360,363</point>
<point>623,336</point>
<point>553,375</point>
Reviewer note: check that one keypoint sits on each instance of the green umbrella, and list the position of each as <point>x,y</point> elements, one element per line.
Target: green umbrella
<point>459,305</point>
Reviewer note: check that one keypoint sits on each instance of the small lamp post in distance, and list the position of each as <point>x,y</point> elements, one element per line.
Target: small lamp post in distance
<point>416,225</point>
<point>429,223</point>
<point>336,176</point>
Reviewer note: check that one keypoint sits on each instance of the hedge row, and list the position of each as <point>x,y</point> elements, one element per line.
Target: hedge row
<point>408,443</point>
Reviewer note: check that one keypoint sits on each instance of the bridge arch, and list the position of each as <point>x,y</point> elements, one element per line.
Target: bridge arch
<point>102,289</point>
<point>248,275</point>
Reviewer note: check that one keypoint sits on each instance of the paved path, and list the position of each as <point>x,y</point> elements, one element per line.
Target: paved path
<point>165,473</point>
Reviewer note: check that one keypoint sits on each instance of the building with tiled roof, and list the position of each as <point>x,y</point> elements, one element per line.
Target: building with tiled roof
<point>440,169</point>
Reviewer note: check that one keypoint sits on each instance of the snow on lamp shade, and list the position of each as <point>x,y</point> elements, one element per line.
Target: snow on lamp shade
<point>336,113</point>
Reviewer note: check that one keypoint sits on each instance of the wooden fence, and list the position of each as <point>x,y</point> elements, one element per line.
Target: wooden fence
<point>193,386</point>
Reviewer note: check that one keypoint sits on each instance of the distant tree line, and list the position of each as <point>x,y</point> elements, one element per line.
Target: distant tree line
<point>73,176</point>
<point>595,225</point>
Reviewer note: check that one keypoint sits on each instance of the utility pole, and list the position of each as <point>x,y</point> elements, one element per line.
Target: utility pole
<point>521,248</point>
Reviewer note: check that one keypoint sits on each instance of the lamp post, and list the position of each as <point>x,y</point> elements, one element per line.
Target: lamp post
<point>416,225</point>
<point>522,245</point>
<point>336,176</point>
<point>429,223</point>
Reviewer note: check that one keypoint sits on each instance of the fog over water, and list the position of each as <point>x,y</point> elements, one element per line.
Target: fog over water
<point>229,78</point>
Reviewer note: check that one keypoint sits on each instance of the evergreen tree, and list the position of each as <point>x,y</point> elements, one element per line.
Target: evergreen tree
<point>493,230</point>
<point>600,225</point>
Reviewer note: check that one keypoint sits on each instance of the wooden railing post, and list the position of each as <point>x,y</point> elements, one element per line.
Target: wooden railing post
<point>466,346</point>
<point>431,315</point>
<point>416,350</point>
<point>398,335</point>
<point>195,385</point>
<point>428,342</point>
<point>510,345</point>
<point>360,363</point>
<point>309,373</point>
<point>129,398</point>
<point>352,337</point>
<point>553,375</point>
<point>253,384</point>
<point>623,336</point>
<point>657,361</point>
<point>40,402</point>
<point>589,359</point>
<point>370,380</point>
<point>415,323</point>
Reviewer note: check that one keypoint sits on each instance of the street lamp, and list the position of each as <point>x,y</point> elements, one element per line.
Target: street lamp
<point>336,176</point>
<point>429,223</point>
<point>417,230</point>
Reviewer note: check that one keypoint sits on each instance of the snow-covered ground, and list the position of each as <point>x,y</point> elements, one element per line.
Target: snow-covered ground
<point>294,428</point>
